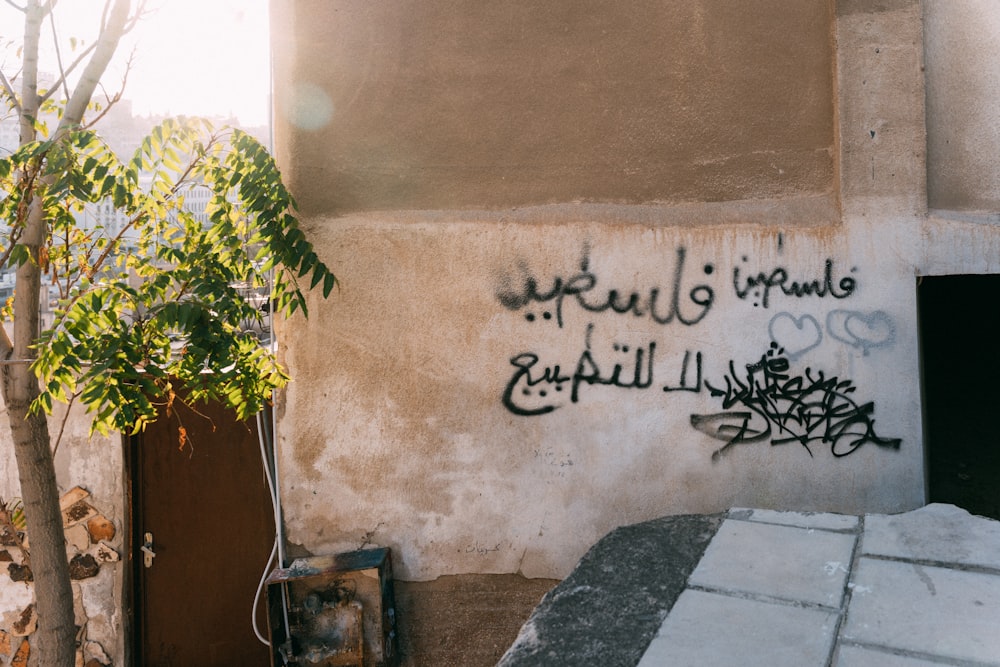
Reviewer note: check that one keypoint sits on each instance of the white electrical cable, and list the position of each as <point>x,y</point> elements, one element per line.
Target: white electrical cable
<point>256,597</point>
<point>261,437</point>
<point>271,463</point>
<point>279,517</point>
<point>278,512</point>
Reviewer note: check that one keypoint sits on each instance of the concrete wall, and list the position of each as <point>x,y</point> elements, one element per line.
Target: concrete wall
<point>963,116</point>
<point>460,104</point>
<point>962,44</point>
<point>599,263</point>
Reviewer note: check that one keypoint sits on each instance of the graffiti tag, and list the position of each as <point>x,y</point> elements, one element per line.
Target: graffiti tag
<point>662,306</point>
<point>760,285</point>
<point>530,381</point>
<point>783,408</point>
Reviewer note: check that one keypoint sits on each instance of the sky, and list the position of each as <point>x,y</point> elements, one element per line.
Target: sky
<point>194,57</point>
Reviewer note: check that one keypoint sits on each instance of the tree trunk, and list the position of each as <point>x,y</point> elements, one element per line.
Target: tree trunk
<point>55,639</point>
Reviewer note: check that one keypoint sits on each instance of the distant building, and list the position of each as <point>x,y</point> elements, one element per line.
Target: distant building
<point>123,132</point>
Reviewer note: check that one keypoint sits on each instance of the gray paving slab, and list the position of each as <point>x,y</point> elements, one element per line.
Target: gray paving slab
<point>942,533</point>
<point>863,656</point>
<point>925,609</point>
<point>777,561</point>
<point>713,630</point>
<point>821,520</point>
<point>763,587</point>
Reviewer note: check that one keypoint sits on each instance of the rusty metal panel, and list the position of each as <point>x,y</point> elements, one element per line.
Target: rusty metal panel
<point>334,611</point>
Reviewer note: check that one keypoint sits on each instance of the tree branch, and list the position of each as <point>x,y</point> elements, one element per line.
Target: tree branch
<point>62,424</point>
<point>112,100</point>
<point>33,16</point>
<point>64,74</point>
<point>15,6</point>
<point>9,90</point>
<point>104,14</point>
<point>62,70</point>
<point>109,102</point>
<point>115,25</point>
<point>129,23</point>
<point>14,236</point>
<point>140,11</point>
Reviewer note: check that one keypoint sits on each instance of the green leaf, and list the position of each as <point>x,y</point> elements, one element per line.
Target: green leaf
<point>329,280</point>
<point>307,261</point>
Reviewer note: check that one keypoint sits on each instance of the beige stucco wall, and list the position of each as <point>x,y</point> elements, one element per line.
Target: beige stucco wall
<point>485,182</point>
<point>963,116</point>
<point>396,423</point>
<point>462,104</point>
<point>962,43</point>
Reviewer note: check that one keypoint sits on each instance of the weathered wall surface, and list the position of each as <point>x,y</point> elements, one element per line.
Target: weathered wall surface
<point>461,104</point>
<point>962,44</point>
<point>963,117</point>
<point>94,464</point>
<point>599,264</point>
<point>472,400</point>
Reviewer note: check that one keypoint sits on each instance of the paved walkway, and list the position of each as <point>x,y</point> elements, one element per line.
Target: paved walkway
<point>790,589</point>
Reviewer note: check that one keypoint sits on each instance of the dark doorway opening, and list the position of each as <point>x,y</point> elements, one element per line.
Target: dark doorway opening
<point>960,343</point>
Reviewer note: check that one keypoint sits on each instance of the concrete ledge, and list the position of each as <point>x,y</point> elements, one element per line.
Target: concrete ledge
<point>608,610</point>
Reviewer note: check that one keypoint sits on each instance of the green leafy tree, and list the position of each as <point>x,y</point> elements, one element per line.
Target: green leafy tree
<point>143,310</point>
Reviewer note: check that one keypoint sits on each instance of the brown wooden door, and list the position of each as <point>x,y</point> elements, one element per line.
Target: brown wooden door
<point>209,513</point>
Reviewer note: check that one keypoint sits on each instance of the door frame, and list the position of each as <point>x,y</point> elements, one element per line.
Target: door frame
<point>130,625</point>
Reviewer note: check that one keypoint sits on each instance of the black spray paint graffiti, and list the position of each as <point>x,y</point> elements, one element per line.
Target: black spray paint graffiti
<point>798,335</point>
<point>541,386</point>
<point>777,405</point>
<point>783,408</point>
<point>535,389</point>
<point>661,306</point>
<point>759,286</point>
<point>772,404</point>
